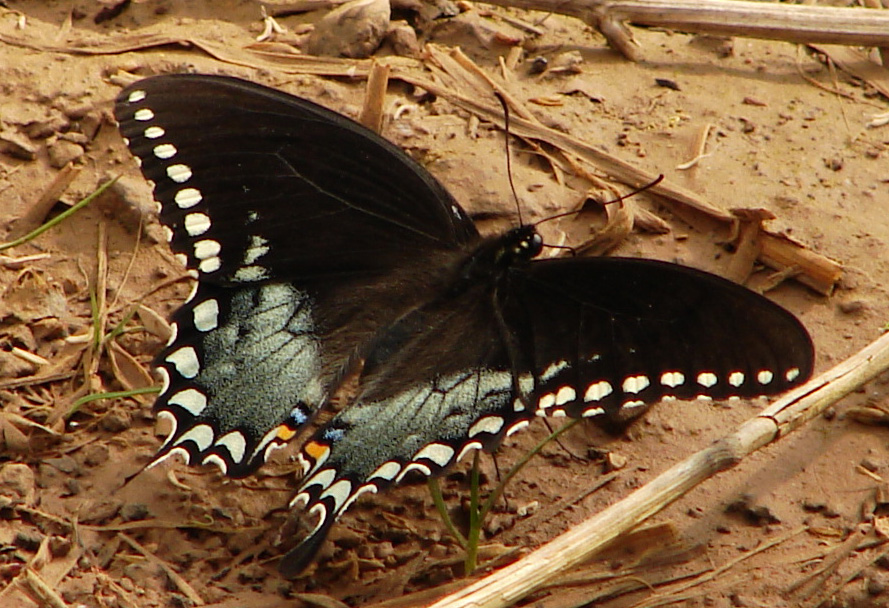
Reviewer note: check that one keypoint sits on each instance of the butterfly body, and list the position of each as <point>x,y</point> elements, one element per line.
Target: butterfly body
<point>320,249</point>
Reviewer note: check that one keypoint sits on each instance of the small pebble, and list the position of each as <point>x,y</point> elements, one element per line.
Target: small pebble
<point>29,541</point>
<point>134,511</point>
<point>95,454</point>
<point>59,546</point>
<point>851,307</point>
<point>870,465</point>
<point>61,152</point>
<point>116,422</point>
<point>17,480</point>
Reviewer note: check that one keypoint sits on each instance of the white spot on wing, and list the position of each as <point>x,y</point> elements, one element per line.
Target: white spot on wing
<point>438,453</point>
<point>764,376</point>
<point>597,391</point>
<point>191,400</point>
<point>143,114</point>
<point>414,466</point>
<point>206,315</point>
<point>546,401</point>
<point>300,500</point>
<point>792,374</point>
<point>553,370</point>
<point>526,383</point>
<point>707,379</point>
<point>165,151</point>
<point>185,360</point>
<point>165,380</point>
<point>154,132</point>
<point>258,248</point>
<point>672,379</point>
<point>736,378</point>
<point>339,491</point>
<point>186,457</point>
<point>592,411</point>
<point>518,426</point>
<point>322,478</point>
<point>179,173</point>
<point>565,395</point>
<point>136,96</point>
<point>472,445</point>
<point>210,265</point>
<point>201,435</point>
<point>218,461</point>
<point>196,224</point>
<point>174,424</point>
<point>635,384</point>
<point>368,487</point>
<point>188,197</point>
<point>251,274</point>
<point>206,249</point>
<point>488,424</point>
<point>387,471</point>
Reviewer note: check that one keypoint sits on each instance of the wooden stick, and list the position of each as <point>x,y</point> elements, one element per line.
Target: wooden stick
<point>374,98</point>
<point>507,586</point>
<point>772,21</point>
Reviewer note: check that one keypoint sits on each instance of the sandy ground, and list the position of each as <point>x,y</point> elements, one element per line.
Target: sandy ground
<point>803,533</point>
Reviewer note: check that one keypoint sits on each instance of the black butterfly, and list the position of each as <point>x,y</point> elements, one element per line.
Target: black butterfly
<point>318,245</point>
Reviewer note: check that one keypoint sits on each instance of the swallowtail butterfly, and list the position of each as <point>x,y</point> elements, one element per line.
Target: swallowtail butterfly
<point>319,246</point>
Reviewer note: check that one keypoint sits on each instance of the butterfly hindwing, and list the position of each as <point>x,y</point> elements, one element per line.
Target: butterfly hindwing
<point>254,345</point>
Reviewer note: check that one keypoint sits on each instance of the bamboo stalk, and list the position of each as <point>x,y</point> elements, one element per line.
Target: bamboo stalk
<point>509,585</point>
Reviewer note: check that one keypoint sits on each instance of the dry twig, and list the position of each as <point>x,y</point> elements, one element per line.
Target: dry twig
<point>790,23</point>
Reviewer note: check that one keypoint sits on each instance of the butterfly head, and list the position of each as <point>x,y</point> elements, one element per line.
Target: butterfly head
<point>520,245</point>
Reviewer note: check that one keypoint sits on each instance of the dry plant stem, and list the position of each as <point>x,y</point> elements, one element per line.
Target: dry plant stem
<point>177,580</point>
<point>514,582</point>
<point>36,215</point>
<point>790,23</point>
<point>375,97</point>
<point>40,589</point>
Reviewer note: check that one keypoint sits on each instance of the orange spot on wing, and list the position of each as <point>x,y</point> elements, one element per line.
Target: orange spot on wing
<point>315,450</point>
<point>284,433</point>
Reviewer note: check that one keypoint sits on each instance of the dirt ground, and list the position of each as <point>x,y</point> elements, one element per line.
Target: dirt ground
<point>793,525</point>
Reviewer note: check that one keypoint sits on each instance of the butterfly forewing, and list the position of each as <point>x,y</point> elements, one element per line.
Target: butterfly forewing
<point>249,179</point>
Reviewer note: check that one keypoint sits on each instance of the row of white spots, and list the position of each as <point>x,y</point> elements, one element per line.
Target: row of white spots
<point>635,384</point>
<point>197,224</point>
<point>207,250</point>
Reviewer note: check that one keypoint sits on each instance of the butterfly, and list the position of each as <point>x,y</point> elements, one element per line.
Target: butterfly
<point>321,250</point>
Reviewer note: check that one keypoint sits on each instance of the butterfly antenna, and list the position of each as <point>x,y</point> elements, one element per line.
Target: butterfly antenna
<point>515,195</point>
<point>619,199</point>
